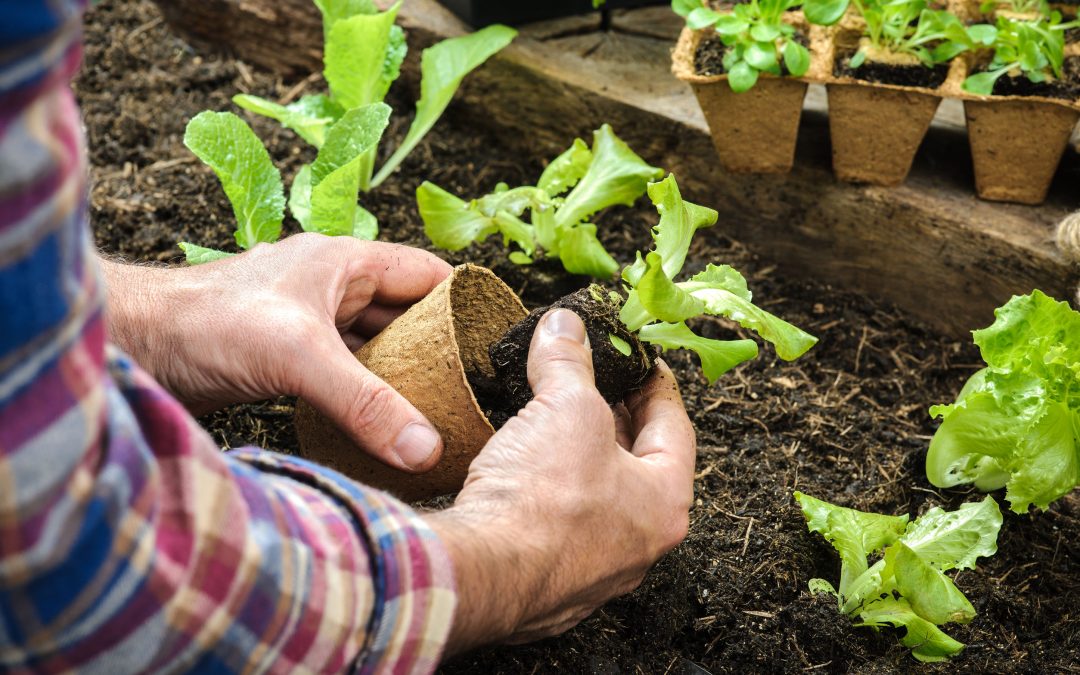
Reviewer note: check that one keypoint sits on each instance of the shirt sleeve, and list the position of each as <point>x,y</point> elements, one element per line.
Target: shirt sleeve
<point>128,541</point>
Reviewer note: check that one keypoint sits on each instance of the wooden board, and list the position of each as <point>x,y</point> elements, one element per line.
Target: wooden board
<point>929,246</point>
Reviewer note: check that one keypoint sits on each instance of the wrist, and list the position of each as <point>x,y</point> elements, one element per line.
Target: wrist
<point>499,570</point>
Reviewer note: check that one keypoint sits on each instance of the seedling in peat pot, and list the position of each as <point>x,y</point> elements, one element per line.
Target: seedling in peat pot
<point>363,52</point>
<point>756,37</point>
<point>906,32</point>
<point>907,586</point>
<point>654,311</point>
<point>1016,422</point>
<point>576,185</point>
<point>1017,8</point>
<point>1032,49</point>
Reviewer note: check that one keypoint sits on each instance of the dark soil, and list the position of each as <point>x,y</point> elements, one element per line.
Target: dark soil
<point>617,374</point>
<point>709,57</point>
<point>882,73</point>
<point>1068,87</point>
<point>846,423</point>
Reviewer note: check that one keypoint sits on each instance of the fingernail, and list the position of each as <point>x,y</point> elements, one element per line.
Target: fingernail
<point>562,323</point>
<point>415,444</point>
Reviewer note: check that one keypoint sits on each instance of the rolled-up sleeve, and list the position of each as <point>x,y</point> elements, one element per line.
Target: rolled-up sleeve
<point>128,541</point>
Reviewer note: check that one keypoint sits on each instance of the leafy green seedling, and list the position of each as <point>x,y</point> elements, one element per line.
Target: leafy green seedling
<point>907,586</point>
<point>909,28</point>
<point>363,52</point>
<point>576,185</point>
<point>657,307</point>
<point>757,38</point>
<point>1027,8</point>
<point>1016,422</point>
<point>1032,49</point>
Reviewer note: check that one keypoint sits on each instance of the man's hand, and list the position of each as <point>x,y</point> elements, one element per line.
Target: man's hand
<point>569,504</point>
<point>282,319</point>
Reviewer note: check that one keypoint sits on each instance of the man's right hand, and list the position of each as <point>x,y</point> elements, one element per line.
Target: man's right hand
<point>570,503</point>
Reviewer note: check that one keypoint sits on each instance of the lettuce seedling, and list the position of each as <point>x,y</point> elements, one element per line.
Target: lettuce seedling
<point>1017,7</point>
<point>1034,49</point>
<point>906,587</point>
<point>363,52</point>
<point>907,27</point>
<point>757,38</point>
<point>576,185</point>
<point>657,307</point>
<point>1016,422</point>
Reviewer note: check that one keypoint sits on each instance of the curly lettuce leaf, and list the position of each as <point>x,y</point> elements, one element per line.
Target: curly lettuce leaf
<point>927,642</point>
<point>252,183</point>
<point>566,170</point>
<point>954,539</point>
<point>1016,423</point>
<point>717,356</point>
<point>309,116</point>
<point>616,175</point>
<point>452,223</point>
<point>442,68</point>
<point>679,221</point>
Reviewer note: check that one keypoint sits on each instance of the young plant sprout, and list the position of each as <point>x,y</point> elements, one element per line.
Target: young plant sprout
<point>1016,422</point>
<point>363,54</point>
<point>757,38</point>
<point>655,311</point>
<point>908,28</point>
<point>575,186</point>
<point>1034,49</point>
<point>907,586</point>
<point>1018,8</point>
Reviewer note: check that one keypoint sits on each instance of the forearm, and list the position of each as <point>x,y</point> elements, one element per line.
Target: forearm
<point>137,299</point>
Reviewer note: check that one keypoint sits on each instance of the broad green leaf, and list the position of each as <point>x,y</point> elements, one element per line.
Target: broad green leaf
<point>796,58</point>
<point>661,298</point>
<point>582,253</point>
<point>954,539</point>
<point>702,17</point>
<point>615,176</point>
<point>309,117</point>
<point>709,287</point>
<point>336,10</point>
<point>334,210</point>
<point>761,56</point>
<point>717,356</point>
<point>742,77</point>
<point>566,170</point>
<point>824,12</point>
<point>197,255</point>
<point>633,314</point>
<point>621,345</point>
<point>982,33</point>
<point>684,7</point>
<point>931,594</point>
<point>349,141</point>
<point>449,222</point>
<point>519,258</point>
<point>442,68</point>
<point>679,220</point>
<point>765,32</point>
<point>355,57</point>
<point>982,83</point>
<point>1046,465</point>
<point>300,197</point>
<point>719,276</point>
<point>251,181</point>
<point>1025,328</point>
<point>927,642</point>
<point>365,225</point>
<point>516,230</point>
<point>729,24</point>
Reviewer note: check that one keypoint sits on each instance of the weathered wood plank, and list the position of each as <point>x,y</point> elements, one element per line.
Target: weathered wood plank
<point>929,246</point>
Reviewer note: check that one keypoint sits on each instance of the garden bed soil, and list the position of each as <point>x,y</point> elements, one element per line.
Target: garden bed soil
<point>846,423</point>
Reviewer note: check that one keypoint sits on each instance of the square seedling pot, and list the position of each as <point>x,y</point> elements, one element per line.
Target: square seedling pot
<point>1016,145</point>
<point>425,354</point>
<point>479,13</point>
<point>754,131</point>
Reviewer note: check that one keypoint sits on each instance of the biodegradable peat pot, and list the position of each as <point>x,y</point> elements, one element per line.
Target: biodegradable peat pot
<point>876,130</point>
<point>480,13</point>
<point>755,131</point>
<point>1016,145</point>
<point>425,355</point>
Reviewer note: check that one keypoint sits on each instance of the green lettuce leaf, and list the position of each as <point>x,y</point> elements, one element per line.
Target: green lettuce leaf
<point>309,116</point>
<point>566,170</point>
<point>954,539</point>
<point>582,253</point>
<point>661,297</point>
<point>449,222</point>
<point>717,356</point>
<point>251,181</point>
<point>1016,423</point>
<point>197,255</point>
<point>336,10</point>
<point>931,594</point>
<point>300,197</point>
<point>442,68</point>
<point>927,642</point>
<point>616,175</point>
<point>679,221</point>
<point>356,55</point>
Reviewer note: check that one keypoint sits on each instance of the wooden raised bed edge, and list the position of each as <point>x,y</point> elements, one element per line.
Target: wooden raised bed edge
<point>945,258</point>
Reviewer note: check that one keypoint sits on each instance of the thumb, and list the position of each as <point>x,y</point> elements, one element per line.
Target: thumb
<point>559,356</point>
<point>374,416</point>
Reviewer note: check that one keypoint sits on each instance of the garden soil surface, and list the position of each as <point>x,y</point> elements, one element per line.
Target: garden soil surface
<point>847,423</point>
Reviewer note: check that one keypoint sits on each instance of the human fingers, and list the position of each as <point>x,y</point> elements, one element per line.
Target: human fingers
<point>624,432</point>
<point>393,274</point>
<point>375,416</point>
<point>559,360</point>
<point>664,435</point>
<point>373,319</point>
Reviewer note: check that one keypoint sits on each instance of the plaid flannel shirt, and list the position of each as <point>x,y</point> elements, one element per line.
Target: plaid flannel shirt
<point>128,541</point>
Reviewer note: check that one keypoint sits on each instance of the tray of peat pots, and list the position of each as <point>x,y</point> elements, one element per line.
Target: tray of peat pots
<point>479,13</point>
<point>460,355</point>
<point>744,63</point>
<point>1021,92</point>
<point>888,61</point>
